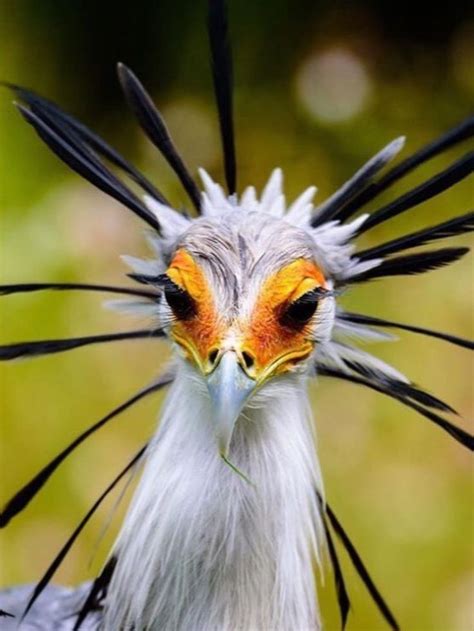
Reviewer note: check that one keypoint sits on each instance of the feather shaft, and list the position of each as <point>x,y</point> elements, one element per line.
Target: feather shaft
<point>48,347</point>
<point>7,290</point>
<point>359,318</point>
<point>41,585</point>
<point>436,185</point>
<point>23,497</point>
<point>454,136</point>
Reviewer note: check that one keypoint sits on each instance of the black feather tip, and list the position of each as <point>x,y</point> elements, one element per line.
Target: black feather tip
<point>221,58</point>
<point>411,264</point>
<point>155,128</point>
<point>23,350</point>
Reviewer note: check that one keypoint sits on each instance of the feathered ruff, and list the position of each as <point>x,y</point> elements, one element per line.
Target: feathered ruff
<point>205,571</point>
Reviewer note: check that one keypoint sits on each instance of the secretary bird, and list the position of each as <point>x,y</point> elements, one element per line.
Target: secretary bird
<point>229,521</point>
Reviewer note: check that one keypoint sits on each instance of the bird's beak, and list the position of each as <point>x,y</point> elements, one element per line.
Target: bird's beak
<point>229,389</point>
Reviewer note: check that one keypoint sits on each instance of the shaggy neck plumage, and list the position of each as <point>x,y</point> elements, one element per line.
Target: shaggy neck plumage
<point>201,549</point>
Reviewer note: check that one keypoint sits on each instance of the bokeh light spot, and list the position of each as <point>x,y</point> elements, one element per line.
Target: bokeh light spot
<point>333,85</point>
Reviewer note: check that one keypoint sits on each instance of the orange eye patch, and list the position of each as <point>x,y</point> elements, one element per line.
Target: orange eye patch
<point>266,338</point>
<point>201,332</point>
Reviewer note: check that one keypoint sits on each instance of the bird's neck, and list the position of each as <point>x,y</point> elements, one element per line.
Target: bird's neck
<point>202,549</point>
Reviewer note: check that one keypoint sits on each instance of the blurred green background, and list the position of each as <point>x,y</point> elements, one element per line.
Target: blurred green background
<point>320,87</point>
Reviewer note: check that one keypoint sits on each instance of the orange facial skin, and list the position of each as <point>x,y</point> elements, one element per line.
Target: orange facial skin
<point>269,341</point>
<point>201,333</point>
<point>273,347</point>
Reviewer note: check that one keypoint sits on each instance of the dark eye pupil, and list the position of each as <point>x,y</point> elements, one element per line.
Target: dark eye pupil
<point>301,311</point>
<point>180,302</point>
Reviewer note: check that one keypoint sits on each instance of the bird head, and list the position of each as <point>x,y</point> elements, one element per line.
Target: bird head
<point>245,299</point>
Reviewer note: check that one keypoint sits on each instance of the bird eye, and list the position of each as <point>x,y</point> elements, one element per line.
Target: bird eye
<point>299,312</point>
<point>180,302</point>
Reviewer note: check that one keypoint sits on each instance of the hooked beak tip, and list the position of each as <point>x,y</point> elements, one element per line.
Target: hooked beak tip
<point>229,389</point>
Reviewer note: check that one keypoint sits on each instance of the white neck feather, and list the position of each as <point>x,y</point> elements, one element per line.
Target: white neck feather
<point>203,550</point>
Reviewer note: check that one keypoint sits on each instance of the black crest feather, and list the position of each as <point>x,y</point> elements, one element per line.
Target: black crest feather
<point>23,288</point>
<point>361,569</point>
<point>343,600</point>
<point>67,145</point>
<point>359,318</point>
<point>425,191</point>
<point>411,264</point>
<point>47,576</point>
<point>23,497</point>
<point>45,107</point>
<point>48,347</point>
<point>454,136</point>
<point>384,387</point>
<point>155,128</point>
<point>97,592</point>
<point>450,228</point>
<point>330,209</point>
<point>221,58</point>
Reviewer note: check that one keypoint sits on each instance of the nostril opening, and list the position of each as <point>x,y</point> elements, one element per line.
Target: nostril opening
<point>213,355</point>
<point>248,359</point>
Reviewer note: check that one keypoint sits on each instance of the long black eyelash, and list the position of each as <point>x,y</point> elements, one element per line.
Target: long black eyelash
<point>410,264</point>
<point>450,228</point>
<point>180,302</point>
<point>48,347</point>
<point>361,569</point>
<point>23,497</point>
<point>154,126</point>
<point>385,388</point>
<point>21,288</point>
<point>359,318</point>
<point>43,582</point>
<point>67,145</point>
<point>221,59</point>
<point>300,311</point>
<point>453,137</point>
<point>425,191</point>
<point>46,107</point>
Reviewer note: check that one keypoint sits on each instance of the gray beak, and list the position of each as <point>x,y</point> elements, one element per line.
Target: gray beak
<point>229,389</point>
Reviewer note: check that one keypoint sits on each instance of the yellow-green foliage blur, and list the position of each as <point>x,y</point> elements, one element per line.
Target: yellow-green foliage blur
<point>320,88</point>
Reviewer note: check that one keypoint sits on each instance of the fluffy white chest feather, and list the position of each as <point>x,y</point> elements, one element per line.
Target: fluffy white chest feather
<point>202,549</point>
